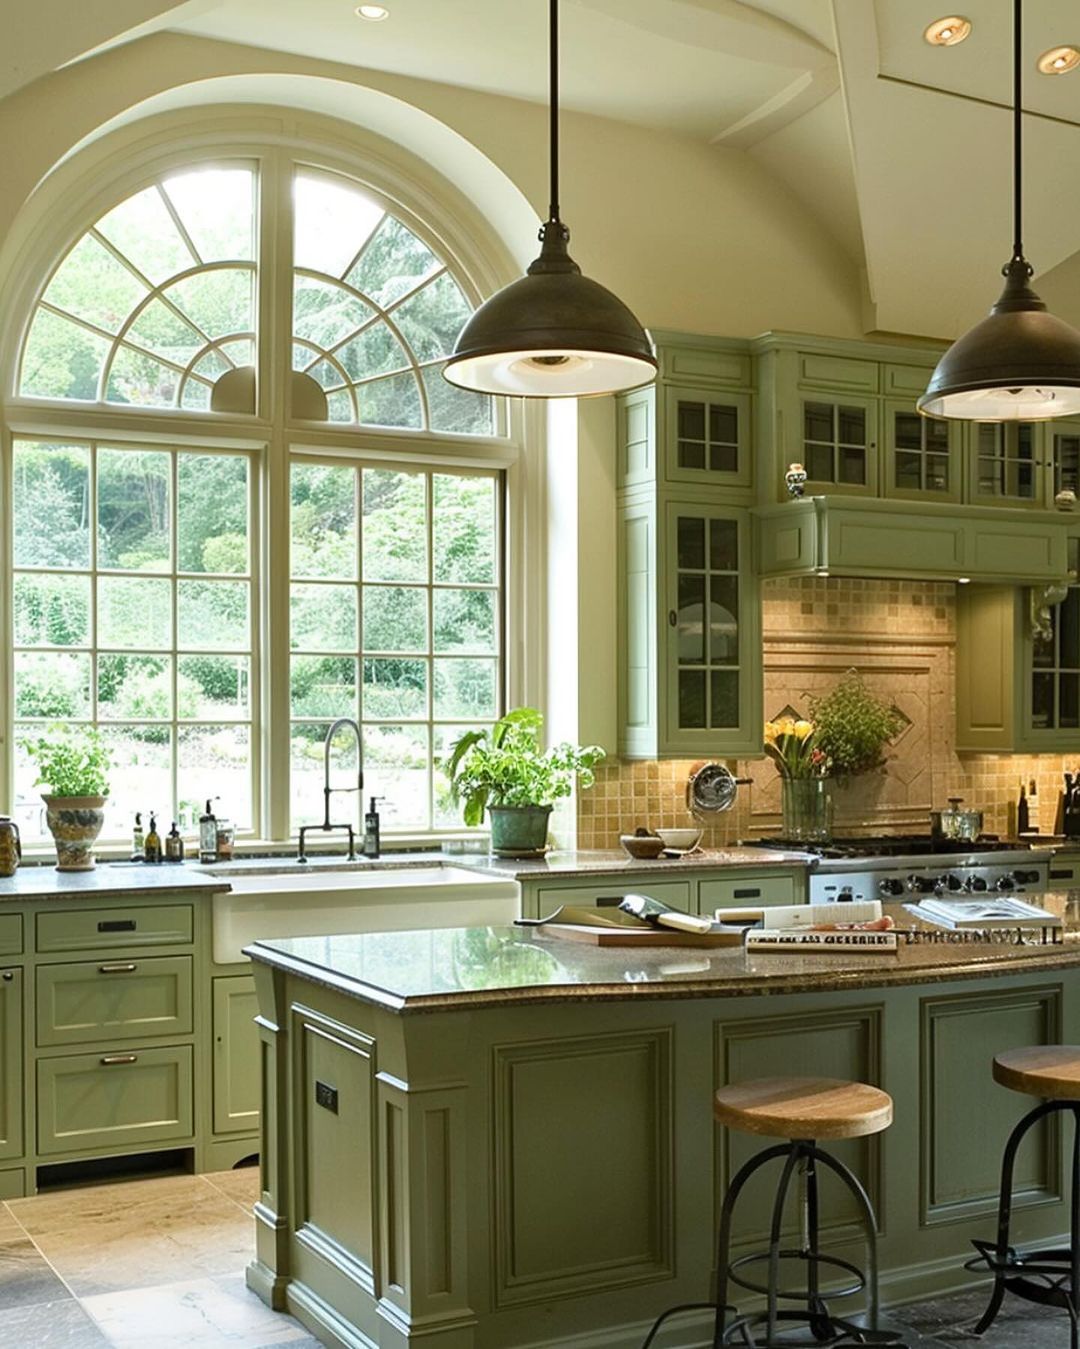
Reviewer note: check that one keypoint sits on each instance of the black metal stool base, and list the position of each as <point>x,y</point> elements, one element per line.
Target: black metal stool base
<point>1049,1277</point>
<point>761,1330</point>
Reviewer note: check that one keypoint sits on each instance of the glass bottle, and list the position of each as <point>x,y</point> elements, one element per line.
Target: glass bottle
<point>152,846</point>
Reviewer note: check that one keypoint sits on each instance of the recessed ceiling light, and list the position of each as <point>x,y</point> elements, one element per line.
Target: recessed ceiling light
<point>373,12</point>
<point>1059,60</point>
<point>948,32</point>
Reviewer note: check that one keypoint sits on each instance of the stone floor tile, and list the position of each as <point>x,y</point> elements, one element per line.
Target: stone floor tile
<point>25,1276</point>
<point>241,1185</point>
<point>51,1325</point>
<point>113,1238</point>
<point>197,1314</point>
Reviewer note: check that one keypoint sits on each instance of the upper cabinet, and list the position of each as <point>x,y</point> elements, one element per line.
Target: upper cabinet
<point>695,425</point>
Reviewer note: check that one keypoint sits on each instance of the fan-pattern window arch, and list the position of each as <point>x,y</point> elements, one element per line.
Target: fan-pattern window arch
<point>156,301</point>
<point>375,314</point>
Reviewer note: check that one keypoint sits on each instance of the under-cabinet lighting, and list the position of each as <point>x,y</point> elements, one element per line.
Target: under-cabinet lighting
<point>963,580</point>
<point>374,13</point>
<point>948,32</point>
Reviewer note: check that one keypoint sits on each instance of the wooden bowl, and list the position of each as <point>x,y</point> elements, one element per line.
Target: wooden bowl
<point>642,847</point>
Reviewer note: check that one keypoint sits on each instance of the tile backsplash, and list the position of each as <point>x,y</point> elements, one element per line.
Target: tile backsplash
<point>901,636</point>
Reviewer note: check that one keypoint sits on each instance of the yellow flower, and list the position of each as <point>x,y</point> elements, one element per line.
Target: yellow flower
<point>770,732</point>
<point>803,729</point>
<point>786,726</point>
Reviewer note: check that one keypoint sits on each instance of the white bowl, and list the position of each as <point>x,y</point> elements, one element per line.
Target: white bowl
<point>680,840</point>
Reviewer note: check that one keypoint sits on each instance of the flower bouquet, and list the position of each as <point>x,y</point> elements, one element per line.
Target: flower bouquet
<point>805,796</point>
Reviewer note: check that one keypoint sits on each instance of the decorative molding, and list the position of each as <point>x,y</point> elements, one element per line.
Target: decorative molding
<point>867,1024</point>
<point>950,1105</point>
<point>623,1079</point>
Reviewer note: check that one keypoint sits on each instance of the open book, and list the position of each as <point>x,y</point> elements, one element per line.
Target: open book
<point>1001,911</point>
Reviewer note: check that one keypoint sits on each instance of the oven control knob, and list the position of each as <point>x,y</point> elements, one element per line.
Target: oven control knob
<point>916,884</point>
<point>950,881</point>
<point>1005,882</point>
<point>974,883</point>
<point>1026,877</point>
<point>890,885</point>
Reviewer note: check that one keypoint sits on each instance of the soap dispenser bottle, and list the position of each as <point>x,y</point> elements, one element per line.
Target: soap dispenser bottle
<point>138,839</point>
<point>152,846</point>
<point>371,829</point>
<point>208,835</point>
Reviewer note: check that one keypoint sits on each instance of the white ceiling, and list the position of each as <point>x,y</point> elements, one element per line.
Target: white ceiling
<point>900,149</point>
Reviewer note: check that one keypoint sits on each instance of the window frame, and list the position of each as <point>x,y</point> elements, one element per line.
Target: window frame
<point>440,217</point>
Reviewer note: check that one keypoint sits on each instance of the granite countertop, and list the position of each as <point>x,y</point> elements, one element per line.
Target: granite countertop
<point>466,968</point>
<point>563,865</point>
<point>108,878</point>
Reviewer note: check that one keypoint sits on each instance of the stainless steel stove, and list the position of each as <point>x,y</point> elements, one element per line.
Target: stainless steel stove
<point>894,867</point>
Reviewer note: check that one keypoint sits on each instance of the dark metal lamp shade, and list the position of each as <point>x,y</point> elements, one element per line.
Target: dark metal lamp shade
<point>1019,364</point>
<point>552,334</point>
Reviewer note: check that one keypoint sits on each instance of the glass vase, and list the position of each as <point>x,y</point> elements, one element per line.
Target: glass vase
<point>807,808</point>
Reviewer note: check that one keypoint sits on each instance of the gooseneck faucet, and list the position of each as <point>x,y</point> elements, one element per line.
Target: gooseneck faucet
<point>326,827</point>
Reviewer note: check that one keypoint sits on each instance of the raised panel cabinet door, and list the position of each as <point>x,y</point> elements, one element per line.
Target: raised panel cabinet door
<point>1007,464</point>
<point>837,440</point>
<point>636,437</point>
<point>12,1088</point>
<point>742,890</point>
<point>922,455</point>
<point>712,659</point>
<point>237,1078</point>
<point>91,1001</point>
<point>707,438</point>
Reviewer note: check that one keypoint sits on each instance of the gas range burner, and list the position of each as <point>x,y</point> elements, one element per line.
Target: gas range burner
<point>889,845</point>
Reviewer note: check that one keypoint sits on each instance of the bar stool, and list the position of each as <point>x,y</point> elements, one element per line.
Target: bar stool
<point>802,1110</point>
<point>1052,1276</point>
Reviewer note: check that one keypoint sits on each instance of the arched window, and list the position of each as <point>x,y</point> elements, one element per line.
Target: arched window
<point>146,555</point>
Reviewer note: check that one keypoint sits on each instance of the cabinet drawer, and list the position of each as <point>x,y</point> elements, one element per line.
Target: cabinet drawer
<point>735,891</point>
<point>11,934</point>
<point>104,1000</point>
<point>114,1099</point>
<point>1064,873</point>
<point>106,929</point>
<point>675,893</point>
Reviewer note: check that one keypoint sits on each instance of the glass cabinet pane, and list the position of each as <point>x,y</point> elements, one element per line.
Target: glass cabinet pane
<point>835,442</point>
<point>1006,460</point>
<point>707,436</point>
<point>920,452</point>
<point>1055,677</point>
<point>1066,462</point>
<point>706,621</point>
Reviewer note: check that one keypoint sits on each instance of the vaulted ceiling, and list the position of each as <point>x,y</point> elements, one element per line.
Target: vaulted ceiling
<point>901,149</point>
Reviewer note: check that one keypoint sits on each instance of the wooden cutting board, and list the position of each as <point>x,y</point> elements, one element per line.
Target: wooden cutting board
<point>646,936</point>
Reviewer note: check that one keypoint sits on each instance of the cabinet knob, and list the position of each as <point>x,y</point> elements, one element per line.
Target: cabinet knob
<point>673,618</point>
<point>8,976</point>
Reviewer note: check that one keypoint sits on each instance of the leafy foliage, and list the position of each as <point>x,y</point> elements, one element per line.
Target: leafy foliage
<point>71,763</point>
<point>506,766</point>
<point>852,727</point>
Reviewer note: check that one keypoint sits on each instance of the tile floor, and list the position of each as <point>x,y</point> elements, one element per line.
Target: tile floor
<point>143,1264</point>
<point>158,1264</point>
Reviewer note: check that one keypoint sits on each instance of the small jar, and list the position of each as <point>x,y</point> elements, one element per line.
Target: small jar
<point>226,836</point>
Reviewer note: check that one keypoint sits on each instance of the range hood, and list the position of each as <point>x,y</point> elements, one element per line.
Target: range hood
<point>854,536</point>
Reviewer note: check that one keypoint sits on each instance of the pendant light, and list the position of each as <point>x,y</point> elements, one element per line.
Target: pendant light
<point>1020,363</point>
<point>553,333</point>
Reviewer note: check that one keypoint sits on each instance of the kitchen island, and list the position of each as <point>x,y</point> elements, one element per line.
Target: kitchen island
<point>489,1138</point>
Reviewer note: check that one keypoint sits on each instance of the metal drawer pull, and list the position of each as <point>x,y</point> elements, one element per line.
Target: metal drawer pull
<point>751,892</point>
<point>108,1060</point>
<point>118,968</point>
<point>117,925</point>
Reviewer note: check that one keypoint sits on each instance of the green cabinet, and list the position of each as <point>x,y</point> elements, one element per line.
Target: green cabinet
<point>923,455</point>
<point>747,888</point>
<point>697,892</point>
<point>689,622</point>
<point>237,1060</point>
<point>111,1000</point>
<point>695,424</point>
<point>12,1092</point>
<point>1006,464</point>
<point>1017,689</point>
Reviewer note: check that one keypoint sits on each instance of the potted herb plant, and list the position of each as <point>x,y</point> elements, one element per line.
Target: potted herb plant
<point>852,727</point>
<point>74,766</point>
<point>504,771</point>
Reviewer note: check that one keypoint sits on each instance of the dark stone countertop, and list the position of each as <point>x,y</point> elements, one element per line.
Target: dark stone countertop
<point>466,968</point>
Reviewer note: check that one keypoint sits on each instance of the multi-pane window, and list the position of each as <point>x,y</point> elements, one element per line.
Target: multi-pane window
<point>1006,460</point>
<point>132,611</point>
<point>395,622</point>
<point>375,315</point>
<point>154,303</point>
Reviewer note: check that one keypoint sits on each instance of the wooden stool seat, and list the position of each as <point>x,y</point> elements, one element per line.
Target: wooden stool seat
<point>804,1107</point>
<point>1049,1071</point>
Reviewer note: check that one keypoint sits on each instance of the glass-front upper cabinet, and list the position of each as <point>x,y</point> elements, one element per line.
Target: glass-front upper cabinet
<point>713,698</point>
<point>922,455</point>
<point>707,438</point>
<point>1055,664</point>
<point>839,444</point>
<point>1064,449</point>
<point>1005,464</point>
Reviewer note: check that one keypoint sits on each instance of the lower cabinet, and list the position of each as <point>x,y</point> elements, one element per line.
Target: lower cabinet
<point>703,892</point>
<point>12,1094</point>
<point>676,894</point>
<point>117,1099</point>
<point>748,889</point>
<point>237,1083</point>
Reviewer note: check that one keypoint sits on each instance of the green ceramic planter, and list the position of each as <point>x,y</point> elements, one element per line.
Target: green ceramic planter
<point>519,831</point>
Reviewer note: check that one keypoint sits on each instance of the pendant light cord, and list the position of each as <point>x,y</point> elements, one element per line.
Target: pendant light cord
<point>1018,131</point>
<point>553,106</point>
